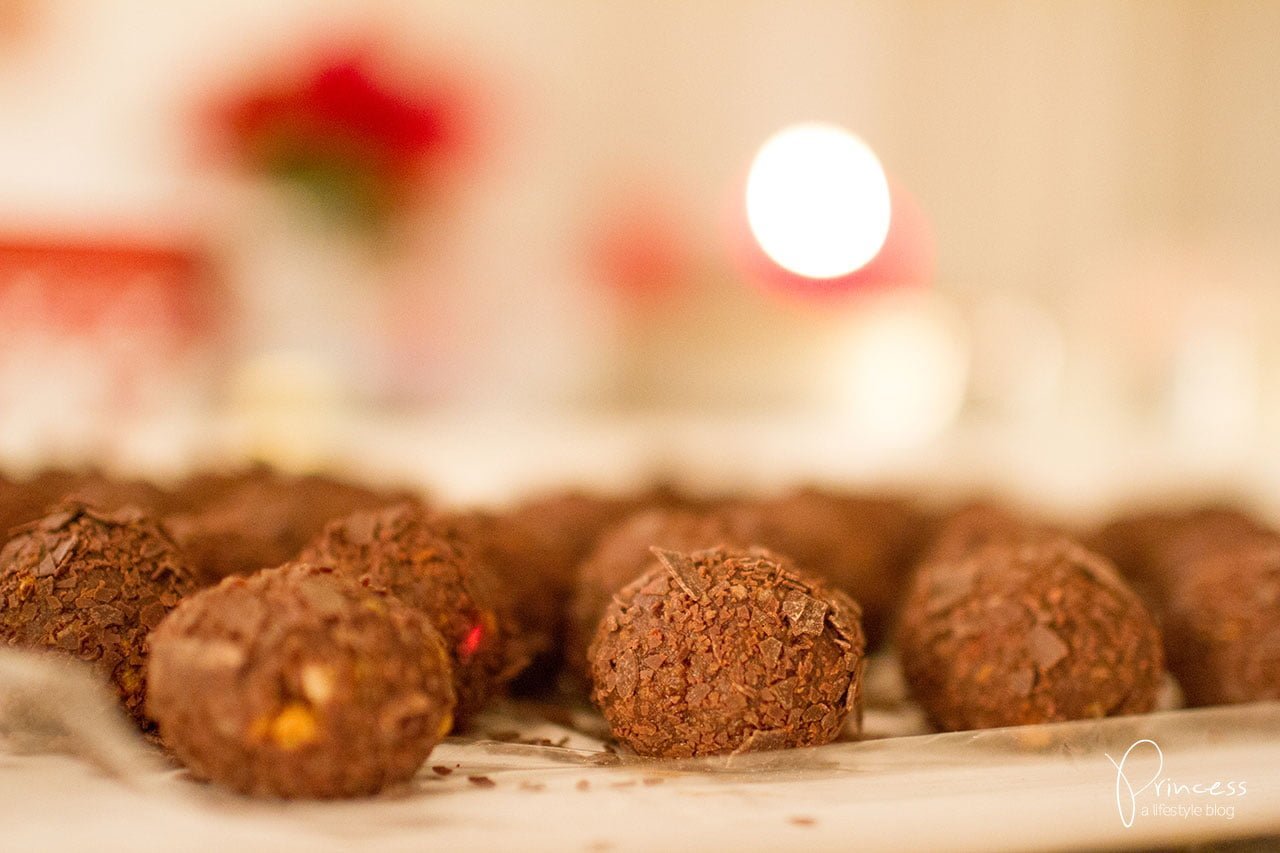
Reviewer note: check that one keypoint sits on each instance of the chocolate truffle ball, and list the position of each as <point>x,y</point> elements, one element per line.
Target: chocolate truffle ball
<point>1031,631</point>
<point>719,652</point>
<point>265,521</point>
<point>1222,626</point>
<point>862,545</point>
<point>299,682</point>
<point>426,563</point>
<point>623,554</point>
<point>92,584</point>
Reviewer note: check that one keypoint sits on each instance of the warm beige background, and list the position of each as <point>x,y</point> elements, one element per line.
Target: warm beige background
<point>1093,162</point>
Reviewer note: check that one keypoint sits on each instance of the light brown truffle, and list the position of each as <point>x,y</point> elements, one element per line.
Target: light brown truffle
<point>298,682</point>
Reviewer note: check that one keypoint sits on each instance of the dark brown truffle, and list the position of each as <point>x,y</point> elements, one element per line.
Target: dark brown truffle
<point>298,682</point>
<point>623,554</point>
<point>265,520</point>
<point>861,544</point>
<point>425,562</point>
<point>1222,625</point>
<point>1026,630</point>
<point>91,585</point>
<point>1213,576</point>
<point>718,652</point>
<point>27,500</point>
<point>1153,547</point>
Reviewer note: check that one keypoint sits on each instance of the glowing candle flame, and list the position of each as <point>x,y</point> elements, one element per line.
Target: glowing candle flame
<point>818,201</point>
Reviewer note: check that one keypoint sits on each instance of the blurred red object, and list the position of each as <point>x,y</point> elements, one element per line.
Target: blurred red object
<point>641,252</point>
<point>72,286</point>
<point>349,134</point>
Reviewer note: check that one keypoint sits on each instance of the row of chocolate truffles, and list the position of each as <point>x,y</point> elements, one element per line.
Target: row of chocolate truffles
<point>95,583</point>
<point>790,631</point>
<point>1002,619</point>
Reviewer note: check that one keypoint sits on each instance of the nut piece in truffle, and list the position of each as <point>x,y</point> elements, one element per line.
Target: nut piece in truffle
<point>718,652</point>
<point>91,585</point>
<point>298,682</point>
<point>425,562</point>
<point>1024,630</point>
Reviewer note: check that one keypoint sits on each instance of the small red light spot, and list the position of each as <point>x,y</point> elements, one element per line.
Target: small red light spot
<point>471,643</point>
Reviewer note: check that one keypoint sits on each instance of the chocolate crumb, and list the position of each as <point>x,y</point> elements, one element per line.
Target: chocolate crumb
<point>583,785</point>
<point>441,770</point>
<point>482,781</point>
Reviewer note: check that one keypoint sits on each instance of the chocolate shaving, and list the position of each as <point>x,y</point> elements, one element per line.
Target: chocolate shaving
<point>762,740</point>
<point>482,781</point>
<point>683,570</point>
<point>949,588</point>
<point>48,566</point>
<point>806,613</point>
<point>441,770</point>
<point>64,547</point>
<point>1022,680</point>
<point>1046,647</point>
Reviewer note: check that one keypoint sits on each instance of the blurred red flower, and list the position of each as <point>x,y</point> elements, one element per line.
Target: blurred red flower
<point>360,141</point>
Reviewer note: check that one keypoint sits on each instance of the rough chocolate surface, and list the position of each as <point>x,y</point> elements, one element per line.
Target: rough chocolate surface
<point>92,584</point>
<point>299,682</point>
<point>862,544</point>
<point>426,563</point>
<point>623,553</point>
<point>1021,630</point>
<point>717,652</point>
<point>1222,623</point>
<point>263,519</point>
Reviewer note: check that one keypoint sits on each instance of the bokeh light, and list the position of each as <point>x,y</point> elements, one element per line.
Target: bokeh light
<point>818,200</point>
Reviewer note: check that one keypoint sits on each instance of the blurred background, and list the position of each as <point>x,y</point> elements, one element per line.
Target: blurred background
<point>880,233</point>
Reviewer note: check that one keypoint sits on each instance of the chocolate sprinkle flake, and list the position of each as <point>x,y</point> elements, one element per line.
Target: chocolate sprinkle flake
<point>1046,647</point>
<point>762,741</point>
<point>683,570</point>
<point>805,612</point>
<point>482,781</point>
<point>441,770</point>
<point>801,820</point>
<point>48,566</point>
<point>1022,680</point>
